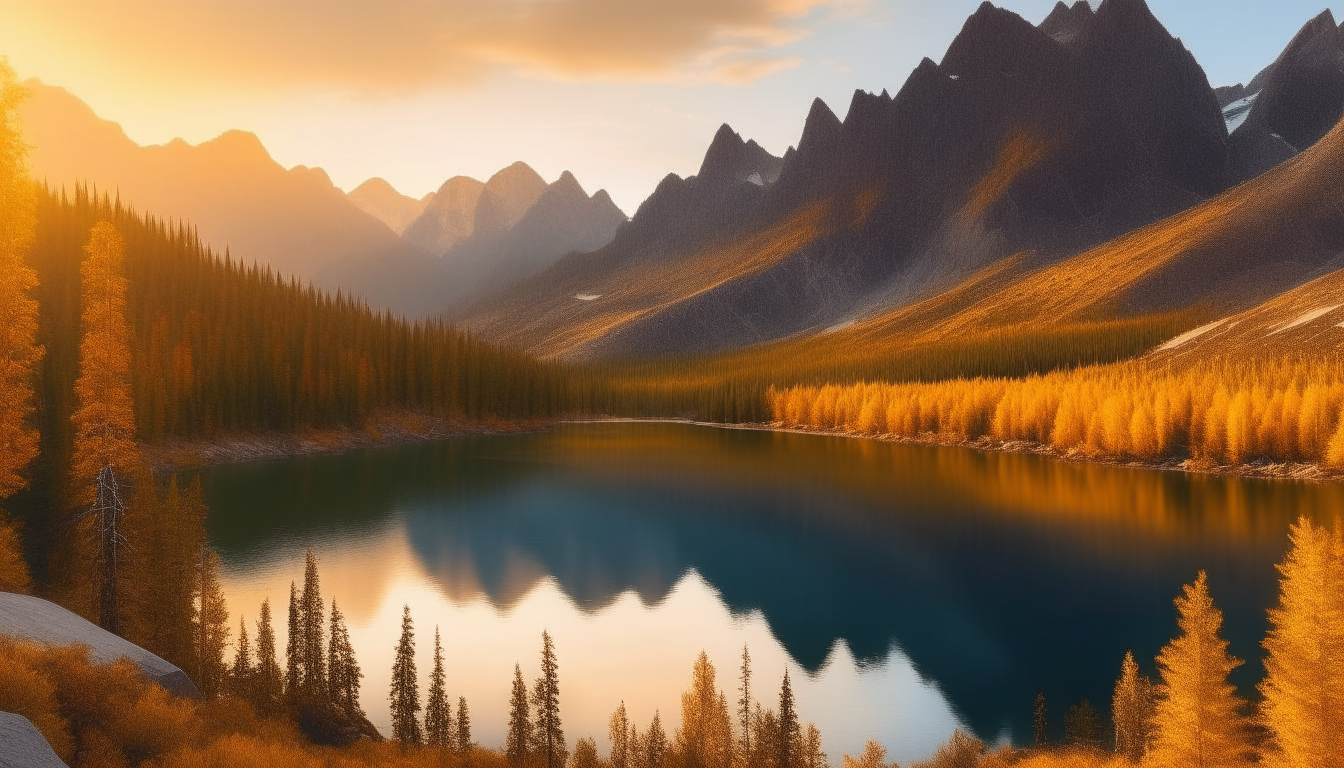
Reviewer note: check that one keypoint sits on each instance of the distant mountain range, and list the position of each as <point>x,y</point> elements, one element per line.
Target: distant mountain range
<point>1036,142</point>
<point>455,241</point>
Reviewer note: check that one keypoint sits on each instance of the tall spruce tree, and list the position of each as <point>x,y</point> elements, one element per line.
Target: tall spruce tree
<point>1198,721</point>
<point>314,680</point>
<point>790,732</point>
<point>550,737</point>
<point>104,450</point>
<point>744,704</point>
<point>463,722</point>
<point>343,672</point>
<point>212,628</point>
<point>1303,705</point>
<point>268,693</point>
<point>618,730</point>
<point>19,350</point>
<point>405,692</point>
<point>1132,711</point>
<point>294,651</point>
<point>243,675</point>
<point>518,739</point>
<point>438,710</point>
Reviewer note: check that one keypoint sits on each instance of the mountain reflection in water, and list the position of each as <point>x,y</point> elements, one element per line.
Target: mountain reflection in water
<point>918,587</point>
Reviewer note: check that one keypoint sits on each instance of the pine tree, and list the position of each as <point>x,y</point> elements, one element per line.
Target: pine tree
<point>19,351</point>
<point>463,722</point>
<point>585,754</point>
<point>242,676</point>
<point>812,755</point>
<point>618,730</point>
<point>438,710</point>
<point>294,651</point>
<point>1132,711</point>
<point>654,743</point>
<point>705,737</point>
<point>269,689</point>
<point>1303,706</point>
<point>1039,726</point>
<point>1198,721</point>
<point>212,628</point>
<point>744,704</point>
<point>405,693</point>
<point>314,681</point>
<point>517,741</point>
<point>104,422</point>
<point>790,733</point>
<point>550,737</point>
<point>343,673</point>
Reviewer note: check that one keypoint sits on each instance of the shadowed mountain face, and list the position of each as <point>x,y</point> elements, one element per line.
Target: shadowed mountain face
<point>237,197</point>
<point>380,200</point>
<point>449,218</point>
<point>1299,100</point>
<point>1044,139</point>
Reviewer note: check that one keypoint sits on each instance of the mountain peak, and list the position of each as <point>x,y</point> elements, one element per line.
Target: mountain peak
<point>724,153</point>
<point>822,127</point>
<point>1065,22</point>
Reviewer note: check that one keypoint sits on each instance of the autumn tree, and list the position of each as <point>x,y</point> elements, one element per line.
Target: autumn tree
<point>585,754</point>
<point>438,710</point>
<point>744,704</point>
<point>1132,711</point>
<point>812,755</point>
<point>1198,721</point>
<point>19,351</point>
<point>618,730</point>
<point>343,673</point>
<point>653,745</point>
<point>212,627</point>
<point>462,741</point>
<point>104,420</point>
<point>405,691</point>
<point>549,737</point>
<point>1303,706</point>
<point>268,690</point>
<point>1081,728</point>
<point>705,739</point>
<point>517,740</point>
<point>874,756</point>
<point>242,676</point>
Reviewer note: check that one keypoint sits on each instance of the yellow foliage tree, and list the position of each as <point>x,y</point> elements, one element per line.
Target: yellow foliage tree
<point>1303,707</point>
<point>104,421</point>
<point>1198,721</point>
<point>705,739</point>
<point>19,351</point>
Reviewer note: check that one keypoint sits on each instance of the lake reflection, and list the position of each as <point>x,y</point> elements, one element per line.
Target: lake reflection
<point>910,589</point>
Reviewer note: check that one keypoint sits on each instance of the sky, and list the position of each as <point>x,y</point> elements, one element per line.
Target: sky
<point>621,92</point>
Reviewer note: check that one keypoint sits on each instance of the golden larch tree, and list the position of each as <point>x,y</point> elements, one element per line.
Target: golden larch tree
<point>705,738</point>
<point>1303,706</point>
<point>104,420</point>
<point>1198,722</point>
<point>19,351</point>
<point>1132,711</point>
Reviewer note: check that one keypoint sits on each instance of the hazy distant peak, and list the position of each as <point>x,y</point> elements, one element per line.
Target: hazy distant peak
<point>381,200</point>
<point>508,195</point>
<point>730,159</point>
<point>458,184</point>
<point>375,186</point>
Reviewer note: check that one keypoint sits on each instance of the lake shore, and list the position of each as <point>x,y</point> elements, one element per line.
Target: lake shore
<point>1263,469</point>
<point>383,432</point>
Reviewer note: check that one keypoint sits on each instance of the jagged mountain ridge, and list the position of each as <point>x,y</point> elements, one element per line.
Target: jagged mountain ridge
<point>237,197</point>
<point>382,201</point>
<point>1019,140</point>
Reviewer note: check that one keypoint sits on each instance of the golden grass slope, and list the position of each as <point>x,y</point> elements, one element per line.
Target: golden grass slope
<point>582,305</point>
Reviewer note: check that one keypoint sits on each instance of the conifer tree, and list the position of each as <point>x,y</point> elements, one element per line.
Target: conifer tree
<point>517,740</point>
<point>294,651</point>
<point>654,743</point>
<point>405,693</point>
<point>104,422</point>
<point>1303,706</point>
<point>269,689</point>
<point>705,737</point>
<point>1039,726</point>
<point>1132,711</point>
<point>463,723</point>
<point>550,737</point>
<point>1198,721</point>
<point>585,754</point>
<point>19,351</point>
<point>243,673</point>
<point>1081,729</point>
<point>212,628</point>
<point>812,755</point>
<point>314,681</point>
<point>744,704</point>
<point>438,710</point>
<point>618,730</point>
<point>790,732</point>
<point>874,756</point>
<point>343,673</point>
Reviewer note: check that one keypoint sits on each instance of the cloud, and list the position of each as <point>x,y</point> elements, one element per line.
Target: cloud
<point>410,44</point>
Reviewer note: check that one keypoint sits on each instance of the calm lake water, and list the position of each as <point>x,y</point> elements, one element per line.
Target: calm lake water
<point>909,590</point>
